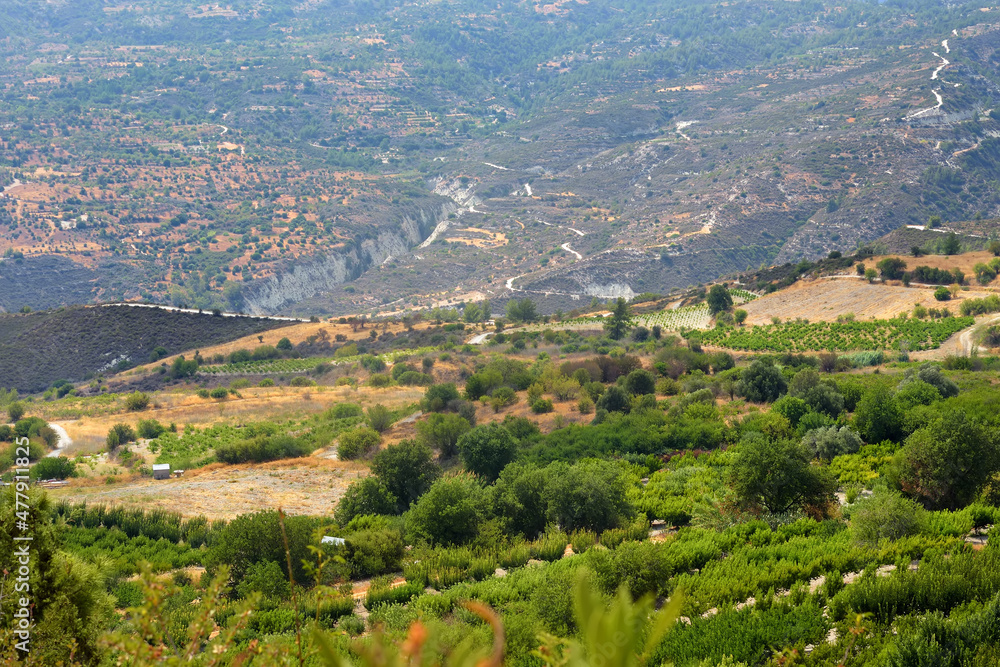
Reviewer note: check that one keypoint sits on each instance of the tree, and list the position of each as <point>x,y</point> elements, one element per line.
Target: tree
<point>762,382</point>
<point>951,245</point>
<point>620,321</point>
<point>775,476</point>
<point>739,316</point>
<point>614,399</point>
<point>994,247</point>
<point>522,311</point>
<point>829,442</point>
<point>790,408</point>
<point>257,537</point>
<point>438,396</point>
<point>870,275</point>
<point>718,299</point>
<point>518,499</point>
<point>878,416</point>
<point>15,411</point>
<point>590,495</point>
<point>946,463</point>
<point>450,512</point>
<point>365,496</point>
<point>985,273</point>
<point>284,345</point>
<point>487,449</point>
<point>891,268</point>
<point>407,470</point>
<point>640,382</point>
<point>942,293</point>
<point>442,432</point>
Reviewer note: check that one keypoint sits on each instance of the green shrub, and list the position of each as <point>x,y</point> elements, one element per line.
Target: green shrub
<point>357,443</point>
<point>219,393</point>
<point>262,448</point>
<point>53,467</point>
<point>542,406</point>
<point>374,552</point>
<point>150,429</point>
<point>137,401</point>
<point>380,418</point>
<point>302,381</point>
<point>267,578</point>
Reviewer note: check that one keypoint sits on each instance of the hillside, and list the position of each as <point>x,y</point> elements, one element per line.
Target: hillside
<point>277,157</point>
<point>547,459</point>
<point>77,343</point>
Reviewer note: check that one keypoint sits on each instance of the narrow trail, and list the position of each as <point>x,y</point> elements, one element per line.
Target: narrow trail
<point>683,124</point>
<point>200,312</point>
<point>63,442</point>
<point>934,77</point>
<point>565,246</point>
<point>944,63</point>
<point>527,188</point>
<point>224,129</point>
<point>496,166</point>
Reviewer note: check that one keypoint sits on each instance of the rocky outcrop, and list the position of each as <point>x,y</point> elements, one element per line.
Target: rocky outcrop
<point>323,273</point>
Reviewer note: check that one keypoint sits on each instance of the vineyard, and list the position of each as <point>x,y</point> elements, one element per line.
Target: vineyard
<point>838,336</point>
<point>282,366</point>
<point>689,317</point>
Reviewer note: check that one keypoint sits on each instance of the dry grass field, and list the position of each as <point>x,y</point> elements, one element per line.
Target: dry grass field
<point>299,486</point>
<point>826,299</point>
<point>254,404</point>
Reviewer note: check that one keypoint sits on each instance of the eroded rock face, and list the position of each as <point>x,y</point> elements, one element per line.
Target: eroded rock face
<point>322,273</point>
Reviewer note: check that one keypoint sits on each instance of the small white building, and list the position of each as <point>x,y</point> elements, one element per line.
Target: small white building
<point>161,471</point>
<point>328,539</point>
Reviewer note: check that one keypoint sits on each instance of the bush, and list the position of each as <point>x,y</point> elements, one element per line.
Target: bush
<point>257,537</point>
<point>374,552</point>
<point>53,467</point>
<point>261,448</point>
<point>136,401</point>
<point>150,428</point>
<point>438,396</point>
<point>380,418</point>
<point>542,406</point>
<point>302,381</point>
<point>942,293</point>
<point>442,432</point>
<point>886,515</point>
<point>267,578</point>
<point>357,443</point>
<point>219,393</point>
<point>15,411</point>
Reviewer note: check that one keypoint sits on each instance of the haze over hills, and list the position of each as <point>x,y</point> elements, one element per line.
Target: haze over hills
<point>329,158</point>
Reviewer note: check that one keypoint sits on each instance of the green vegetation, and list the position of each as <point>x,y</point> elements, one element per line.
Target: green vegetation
<point>839,336</point>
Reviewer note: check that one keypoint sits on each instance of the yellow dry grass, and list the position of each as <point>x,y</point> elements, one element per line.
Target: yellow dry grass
<point>826,299</point>
<point>182,407</point>
<point>295,333</point>
<point>299,486</point>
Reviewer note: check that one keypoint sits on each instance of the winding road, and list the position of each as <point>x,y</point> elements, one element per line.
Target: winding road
<point>63,442</point>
